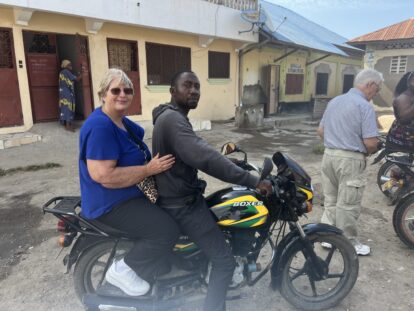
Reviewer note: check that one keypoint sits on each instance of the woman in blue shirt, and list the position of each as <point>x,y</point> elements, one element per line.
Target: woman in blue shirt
<point>110,166</point>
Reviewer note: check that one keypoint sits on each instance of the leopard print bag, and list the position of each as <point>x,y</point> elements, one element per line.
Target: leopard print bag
<point>149,188</point>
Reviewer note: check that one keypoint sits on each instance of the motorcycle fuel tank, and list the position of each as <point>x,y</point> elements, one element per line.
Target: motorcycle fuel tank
<point>237,207</point>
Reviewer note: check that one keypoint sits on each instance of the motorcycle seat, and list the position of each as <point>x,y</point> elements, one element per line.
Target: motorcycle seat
<point>113,232</point>
<point>391,148</point>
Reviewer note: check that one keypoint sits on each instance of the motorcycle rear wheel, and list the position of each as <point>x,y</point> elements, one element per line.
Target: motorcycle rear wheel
<point>299,285</point>
<point>404,221</point>
<point>90,267</point>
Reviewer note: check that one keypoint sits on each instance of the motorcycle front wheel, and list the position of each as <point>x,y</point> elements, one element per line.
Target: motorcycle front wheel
<point>302,287</point>
<point>404,220</point>
<point>386,170</point>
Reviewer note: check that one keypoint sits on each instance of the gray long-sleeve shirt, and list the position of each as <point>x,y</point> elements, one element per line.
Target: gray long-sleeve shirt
<point>173,134</point>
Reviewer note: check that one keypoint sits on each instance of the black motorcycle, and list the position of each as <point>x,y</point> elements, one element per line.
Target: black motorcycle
<point>395,175</point>
<point>396,180</point>
<point>307,275</point>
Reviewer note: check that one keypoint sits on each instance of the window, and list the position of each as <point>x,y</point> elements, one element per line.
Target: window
<point>398,64</point>
<point>218,65</point>
<point>123,54</point>
<point>6,57</point>
<point>163,61</point>
<point>294,84</point>
<point>322,83</point>
<point>348,83</point>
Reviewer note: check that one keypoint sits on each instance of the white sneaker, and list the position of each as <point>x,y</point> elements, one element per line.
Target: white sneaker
<point>326,245</point>
<point>121,275</point>
<point>362,249</point>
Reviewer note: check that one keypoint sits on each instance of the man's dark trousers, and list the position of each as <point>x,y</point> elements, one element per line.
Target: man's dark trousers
<point>196,221</point>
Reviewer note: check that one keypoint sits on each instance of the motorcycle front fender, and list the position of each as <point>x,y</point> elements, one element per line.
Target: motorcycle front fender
<point>82,243</point>
<point>288,242</point>
<point>404,197</point>
<point>380,156</point>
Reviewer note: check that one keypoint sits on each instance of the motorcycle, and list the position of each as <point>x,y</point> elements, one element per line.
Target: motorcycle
<point>396,180</point>
<point>395,175</point>
<point>307,275</point>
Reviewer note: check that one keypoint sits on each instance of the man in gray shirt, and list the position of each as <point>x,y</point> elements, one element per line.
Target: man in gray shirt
<point>180,190</point>
<point>349,130</point>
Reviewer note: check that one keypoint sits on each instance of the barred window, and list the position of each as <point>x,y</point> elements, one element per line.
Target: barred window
<point>398,64</point>
<point>294,84</point>
<point>6,46</point>
<point>348,83</point>
<point>322,83</point>
<point>123,54</point>
<point>218,65</point>
<point>163,61</point>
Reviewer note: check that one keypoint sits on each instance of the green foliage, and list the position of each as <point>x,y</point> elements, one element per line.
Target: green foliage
<point>318,149</point>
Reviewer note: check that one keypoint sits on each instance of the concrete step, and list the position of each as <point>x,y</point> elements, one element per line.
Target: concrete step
<point>281,120</point>
<point>18,139</point>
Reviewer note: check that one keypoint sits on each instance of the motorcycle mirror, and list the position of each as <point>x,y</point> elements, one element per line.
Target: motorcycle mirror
<point>267,168</point>
<point>228,148</point>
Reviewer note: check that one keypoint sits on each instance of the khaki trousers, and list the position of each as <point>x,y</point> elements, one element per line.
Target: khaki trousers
<point>343,184</point>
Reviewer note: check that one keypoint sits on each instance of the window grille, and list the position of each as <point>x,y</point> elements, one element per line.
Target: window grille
<point>398,64</point>
<point>163,61</point>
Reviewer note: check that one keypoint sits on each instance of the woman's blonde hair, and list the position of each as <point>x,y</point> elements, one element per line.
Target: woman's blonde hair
<point>111,75</point>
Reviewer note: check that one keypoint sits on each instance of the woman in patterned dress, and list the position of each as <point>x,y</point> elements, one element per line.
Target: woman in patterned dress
<point>401,133</point>
<point>67,94</point>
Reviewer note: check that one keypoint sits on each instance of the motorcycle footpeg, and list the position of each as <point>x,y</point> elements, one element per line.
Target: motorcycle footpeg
<point>109,290</point>
<point>239,296</point>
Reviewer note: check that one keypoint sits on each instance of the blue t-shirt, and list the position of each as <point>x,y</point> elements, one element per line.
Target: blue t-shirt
<point>101,139</point>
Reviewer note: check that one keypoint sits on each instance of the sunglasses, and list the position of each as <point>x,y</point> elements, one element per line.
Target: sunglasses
<point>127,91</point>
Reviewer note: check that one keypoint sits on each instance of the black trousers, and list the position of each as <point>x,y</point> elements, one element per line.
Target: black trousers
<point>155,230</point>
<point>196,221</point>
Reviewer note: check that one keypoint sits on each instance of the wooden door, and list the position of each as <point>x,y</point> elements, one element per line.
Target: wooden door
<point>124,54</point>
<point>43,72</point>
<point>272,89</point>
<point>82,63</point>
<point>10,105</point>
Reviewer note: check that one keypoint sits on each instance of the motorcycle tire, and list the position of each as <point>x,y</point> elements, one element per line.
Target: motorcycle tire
<point>335,294</point>
<point>85,278</point>
<point>404,228</point>
<point>385,170</point>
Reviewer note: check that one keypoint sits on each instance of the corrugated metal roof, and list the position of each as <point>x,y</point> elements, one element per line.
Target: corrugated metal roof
<point>403,30</point>
<point>300,31</point>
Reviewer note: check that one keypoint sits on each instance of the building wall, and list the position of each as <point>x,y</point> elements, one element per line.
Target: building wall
<point>188,16</point>
<point>378,58</point>
<point>254,62</point>
<point>7,20</point>
<point>217,96</point>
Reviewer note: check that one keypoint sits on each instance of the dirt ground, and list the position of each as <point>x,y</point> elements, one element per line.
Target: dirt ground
<point>33,278</point>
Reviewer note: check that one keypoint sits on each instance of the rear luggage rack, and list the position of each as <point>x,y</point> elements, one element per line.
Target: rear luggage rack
<point>68,210</point>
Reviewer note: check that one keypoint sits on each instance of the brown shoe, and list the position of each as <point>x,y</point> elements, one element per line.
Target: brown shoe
<point>69,127</point>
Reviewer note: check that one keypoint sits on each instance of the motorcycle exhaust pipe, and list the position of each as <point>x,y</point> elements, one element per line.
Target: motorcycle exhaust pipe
<point>94,302</point>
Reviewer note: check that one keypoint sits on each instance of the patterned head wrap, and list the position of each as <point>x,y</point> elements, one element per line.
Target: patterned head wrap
<point>65,63</point>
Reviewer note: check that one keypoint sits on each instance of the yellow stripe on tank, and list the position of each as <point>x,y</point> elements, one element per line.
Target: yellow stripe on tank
<point>262,211</point>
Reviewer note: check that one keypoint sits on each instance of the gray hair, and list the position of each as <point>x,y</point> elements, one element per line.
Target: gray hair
<point>367,76</point>
<point>111,75</point>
